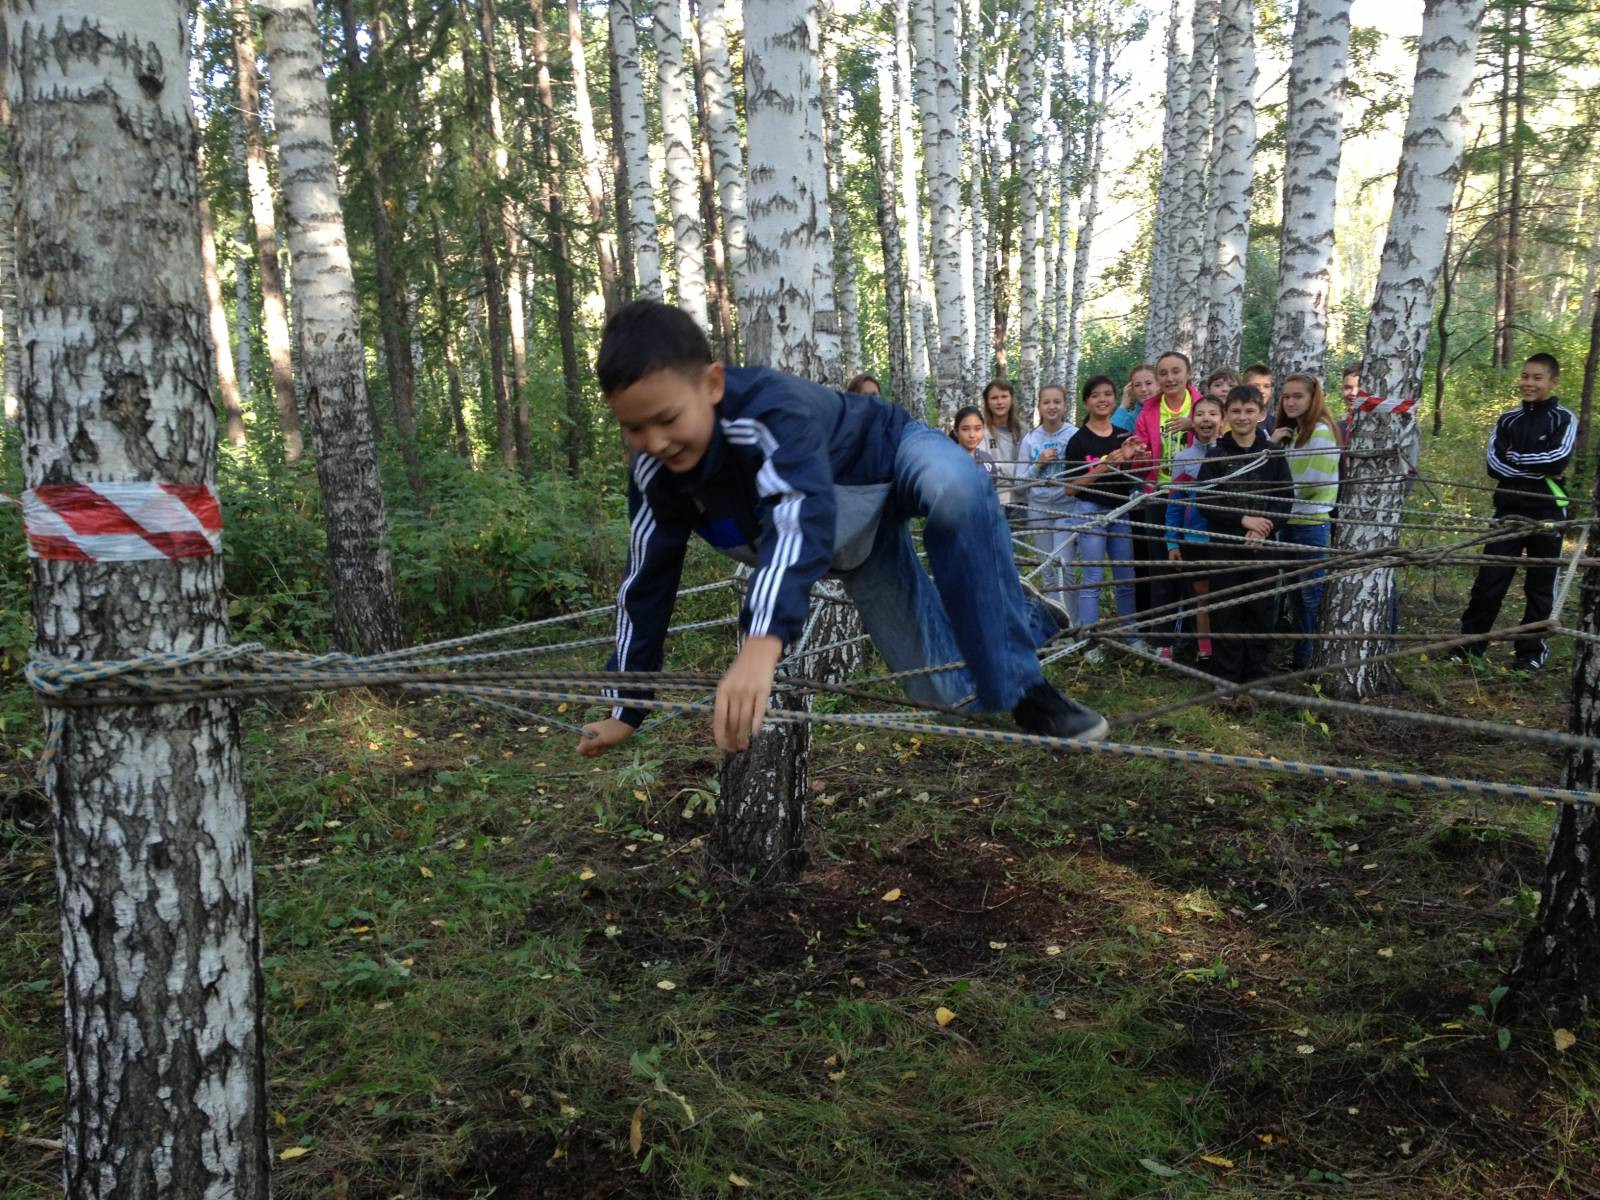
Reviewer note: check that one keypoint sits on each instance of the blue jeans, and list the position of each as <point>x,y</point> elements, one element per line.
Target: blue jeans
<point>974,608</point>
<point>1308,599</point>
<point>1050,533</point>
<point>1096,543</point>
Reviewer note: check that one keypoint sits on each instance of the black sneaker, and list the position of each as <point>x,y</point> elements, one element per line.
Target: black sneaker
<point>1527,666</point>
<point>1043,710</point>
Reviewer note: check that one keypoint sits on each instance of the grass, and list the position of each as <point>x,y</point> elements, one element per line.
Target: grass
<point>1164,980</point>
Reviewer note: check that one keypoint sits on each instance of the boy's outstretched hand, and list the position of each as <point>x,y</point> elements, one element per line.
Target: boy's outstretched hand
<point>607,733</point>
<point>742,695</point>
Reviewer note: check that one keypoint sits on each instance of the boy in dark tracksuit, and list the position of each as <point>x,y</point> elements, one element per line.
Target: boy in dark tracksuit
<point>798,480</point>
<point>1245,490</point>
<point>1527,457</point>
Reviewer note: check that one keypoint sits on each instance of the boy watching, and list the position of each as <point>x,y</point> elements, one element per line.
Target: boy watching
<point>1220,382</point>
<point>1259,376</point>
<point>800,480</point>
<point>1243,477</point>
<point>1527,457</point>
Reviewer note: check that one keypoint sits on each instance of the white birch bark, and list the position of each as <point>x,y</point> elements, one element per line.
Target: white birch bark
<point>1397,341</point>
<point>605,238</point>
<point>722,125</point>
<point>1161,327</point>
<point>8,275</point>
<point>644,237</point>
<point>1191,241</point>
<point>1310,186</point>
<point>894,291</point>
<point>943,157</point>
<point>1029,77</point>
<point>1096,134</point>
<point>243,303</point>
<point>975,212</point>
<point>683,186</point>
<point>829,366</point>
<point>844,268</point>
<point>332,357</point>
<point>916,396</point>
<point>163,1038</point>
<point>991,271</point>
<point>1059,296</point>
<point>1233,175</point>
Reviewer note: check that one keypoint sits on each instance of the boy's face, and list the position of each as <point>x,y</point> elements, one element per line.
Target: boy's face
<point>1351,391</point>
<point>1207,418</point>
<point>1537,383</point>
<point>670,414</point>
<point>1219,390</point>
<point>1243,417</point>
<point>1263,384</point>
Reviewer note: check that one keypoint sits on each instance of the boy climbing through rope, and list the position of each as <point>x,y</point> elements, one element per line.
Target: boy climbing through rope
<point>800,480</point>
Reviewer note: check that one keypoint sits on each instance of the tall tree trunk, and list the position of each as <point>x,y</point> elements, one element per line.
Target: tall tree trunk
<point>976,208</point>
<point>829,359</point>
<point>577,432</point>
<point>722,124</point>
<point>332,359</point>
<point>1161,324</point>
<point>688,249</point>
<point>1091,210</point>
<point>942,152</point>
<point>1502,201</point>
<point>1514,218</point>
<point>392,317</point>
<point>274,315</point>
<point>721,287</point>
<point>1310,186</point>
<point>516,325</point>
<point>1234,174</point>
<point>1191,245</point>
<point>1397,339</point>
<point>915,389</point>
<point>605,239</point>
<point>1029,70</point>
<point>1591,369</point>
<point>894,293</point>
<point>1005,217</point>
<point>621,191</point>
<point>844,258</point>
<point>447,340</point>
<point>643,234</point>
<point>243,301</point>
<point>8,269</point>
<point>162,1000</point>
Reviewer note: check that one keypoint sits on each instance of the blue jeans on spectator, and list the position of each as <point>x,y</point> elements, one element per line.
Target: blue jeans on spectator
<point>974,608</point>
<point>1308,598</point>
<point>1098,541</point>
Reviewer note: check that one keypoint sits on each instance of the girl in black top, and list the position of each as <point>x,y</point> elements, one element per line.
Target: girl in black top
<point>1094,454</point>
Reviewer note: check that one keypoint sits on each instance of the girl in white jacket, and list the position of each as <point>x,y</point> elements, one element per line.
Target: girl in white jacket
<point>1043,455</point>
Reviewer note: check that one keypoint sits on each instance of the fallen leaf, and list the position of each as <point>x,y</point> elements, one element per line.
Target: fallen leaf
<point>636,1131</point>
<point>943,1015</point>
<point>1157,1168</point>
<point>666,985</point>
<point>997,945</point>
<point>586,874</point>
<point>737,1179</point>
<point>891,895</point>
<point>836,1076</point>
<point>427,872</point>
<point>1386,952</point>
<point>1216,1160</point>
<point>1305,1048</point>
<point>1052,950</point>
<point>295,1152</point>
<point>1565,1040</point>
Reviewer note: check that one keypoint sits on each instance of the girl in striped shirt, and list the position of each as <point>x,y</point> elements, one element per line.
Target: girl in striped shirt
<point>1310,432</point>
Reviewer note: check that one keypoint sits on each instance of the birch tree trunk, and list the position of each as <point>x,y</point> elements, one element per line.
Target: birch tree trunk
<point>1195,197</point>
<point>217,317</point>
<point>8,271</point>
<point>163,1058</point>
<point>894,293</point>
<point>1161,326</point>
<point>605,239</point>
<point>722,123</point>
<point>829,367</point>
<point>1233,173</point>
<point>1310,186</point>
<point>642,231</point>
<point>761,810</point>
<point>1397,339</point>
<point>621,190</point>
<point>332,358</point>
<point>1080,271</point>
<point>980,327</point>
<point>844,259</point>
<point>688,248</point>
<point>916,391</point>
<point>274,314</point>
<point>943,156</point>
<point>243,302</point>
<point>1029,70</point>
<point>1058,297</point>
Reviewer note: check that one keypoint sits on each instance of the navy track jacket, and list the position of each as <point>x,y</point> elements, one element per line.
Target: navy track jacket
<point>778,449</point>
<point>1529,447</point>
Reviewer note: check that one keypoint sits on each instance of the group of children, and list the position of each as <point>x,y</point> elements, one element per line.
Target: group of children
<point>1174,493</point>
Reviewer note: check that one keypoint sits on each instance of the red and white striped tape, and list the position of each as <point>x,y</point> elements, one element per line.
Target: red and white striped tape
<point>122,522</point>
<point>1377,404</point>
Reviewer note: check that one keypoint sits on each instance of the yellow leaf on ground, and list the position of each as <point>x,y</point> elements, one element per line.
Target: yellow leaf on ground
<point>666,985</point>
<point>1565,1040</point>
<point>427,872</point>
<point>295,1152</point>
<point>943,1015</point>
<point>737,1179</point>
<point>891,895</point>
<point>1216,1160</point>
<point>586,874</point>
<point>636,1131</point>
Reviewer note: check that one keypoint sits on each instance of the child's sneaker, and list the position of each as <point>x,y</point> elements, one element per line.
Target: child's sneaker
<point>1045,711</point>
<point>1205,647</point>
<point>1165,653</point>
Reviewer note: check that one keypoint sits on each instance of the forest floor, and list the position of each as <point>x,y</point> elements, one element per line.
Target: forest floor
<point>495,969</point>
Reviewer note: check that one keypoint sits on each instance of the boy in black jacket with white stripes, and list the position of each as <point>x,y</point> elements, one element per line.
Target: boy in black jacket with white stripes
<point>1527,458</point>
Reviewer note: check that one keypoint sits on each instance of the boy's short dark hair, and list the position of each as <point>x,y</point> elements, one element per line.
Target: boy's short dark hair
<point>1225,375</point>
<point>1350,369</point>
<point>646,336</point>
<point>1258,368</point>
<point>1547,361</point>
<point>1244,393</point>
